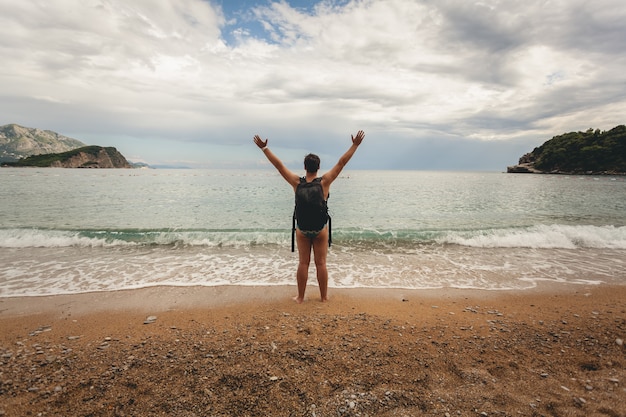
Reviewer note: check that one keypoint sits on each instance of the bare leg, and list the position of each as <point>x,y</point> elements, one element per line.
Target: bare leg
<point>320,250</point>
<point>304,255</point>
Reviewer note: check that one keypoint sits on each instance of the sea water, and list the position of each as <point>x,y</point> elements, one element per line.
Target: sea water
<point>70,231</point>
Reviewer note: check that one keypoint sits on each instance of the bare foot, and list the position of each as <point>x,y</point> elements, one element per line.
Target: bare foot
<point>298,299</point>
<point>325,300</point>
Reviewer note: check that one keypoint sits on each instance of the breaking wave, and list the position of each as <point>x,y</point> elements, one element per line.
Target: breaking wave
<point>539,237</point>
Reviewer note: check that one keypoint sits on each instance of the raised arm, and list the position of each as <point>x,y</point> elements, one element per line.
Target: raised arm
<point>332,175</point>
<point>291,177</point>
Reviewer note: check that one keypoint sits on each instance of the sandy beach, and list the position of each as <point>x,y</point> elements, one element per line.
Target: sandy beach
<point>251,351</point>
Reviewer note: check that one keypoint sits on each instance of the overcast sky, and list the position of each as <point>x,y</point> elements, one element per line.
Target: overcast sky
<point>435,84</point>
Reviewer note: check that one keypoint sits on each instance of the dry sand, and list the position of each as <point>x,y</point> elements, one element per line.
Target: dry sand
<point>251,351</point>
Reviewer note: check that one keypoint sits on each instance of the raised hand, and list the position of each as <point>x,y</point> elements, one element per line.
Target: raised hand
<point>359,138</point>
<point>259,142</point>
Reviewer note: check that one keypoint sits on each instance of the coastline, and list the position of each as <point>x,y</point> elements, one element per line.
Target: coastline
<point>162,298</point>
<point>551,350</point>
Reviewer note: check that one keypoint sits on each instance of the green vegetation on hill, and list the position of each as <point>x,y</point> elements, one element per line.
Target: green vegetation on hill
<point>47,160</point>
<point>592,151</point>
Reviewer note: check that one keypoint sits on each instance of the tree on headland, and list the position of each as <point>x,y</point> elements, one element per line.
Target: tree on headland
<point>592,151</point>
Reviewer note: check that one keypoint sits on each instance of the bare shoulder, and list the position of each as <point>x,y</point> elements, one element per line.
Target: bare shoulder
<point>291,177</point>
<point>330,176</point>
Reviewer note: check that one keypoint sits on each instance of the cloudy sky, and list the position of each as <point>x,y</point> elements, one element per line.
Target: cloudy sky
<point>435,84</point>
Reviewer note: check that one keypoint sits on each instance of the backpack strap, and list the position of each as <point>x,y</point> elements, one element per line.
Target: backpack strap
<point>293,231</point>
<point>330,231</point>
<point>330,223</point>
<point>293,224</point>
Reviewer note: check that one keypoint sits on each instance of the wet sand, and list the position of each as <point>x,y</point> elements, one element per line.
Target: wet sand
<point>252,351</point>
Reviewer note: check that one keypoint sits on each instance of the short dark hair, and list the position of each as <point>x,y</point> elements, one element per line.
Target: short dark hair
<point>312,163</point>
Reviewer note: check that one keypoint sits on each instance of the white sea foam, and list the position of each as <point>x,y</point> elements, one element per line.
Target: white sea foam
<point>38,238</point>
<point>543,237</point>
<point>539,237</point>
<point>43,238</point>
<point>67,270</point>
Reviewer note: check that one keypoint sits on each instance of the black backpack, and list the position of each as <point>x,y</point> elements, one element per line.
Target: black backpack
<point>311,211</point>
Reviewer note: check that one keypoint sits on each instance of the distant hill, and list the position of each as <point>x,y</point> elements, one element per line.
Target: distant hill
<point>18,142</point>
<point>590,152</point>
<point>85,157</point>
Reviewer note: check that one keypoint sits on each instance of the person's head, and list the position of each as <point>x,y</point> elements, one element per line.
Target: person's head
<point>312,163</point>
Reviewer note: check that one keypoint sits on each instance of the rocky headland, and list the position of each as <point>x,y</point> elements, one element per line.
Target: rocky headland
<point>593,152</point>
<point>30,147</point>
<point>85,157</point>
<point>19,142</point>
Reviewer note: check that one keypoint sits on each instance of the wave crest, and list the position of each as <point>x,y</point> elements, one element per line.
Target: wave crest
<point>538,237</point>
<point>543,237</point>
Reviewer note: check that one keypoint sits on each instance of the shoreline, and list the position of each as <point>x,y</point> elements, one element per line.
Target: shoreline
<point>252,351</point>
<point>161,298</point>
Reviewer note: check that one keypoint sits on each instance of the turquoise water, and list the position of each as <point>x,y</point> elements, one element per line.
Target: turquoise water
<point>67,231</point>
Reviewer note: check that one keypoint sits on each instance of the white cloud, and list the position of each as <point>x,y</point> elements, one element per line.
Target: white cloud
<point>404,70</point>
